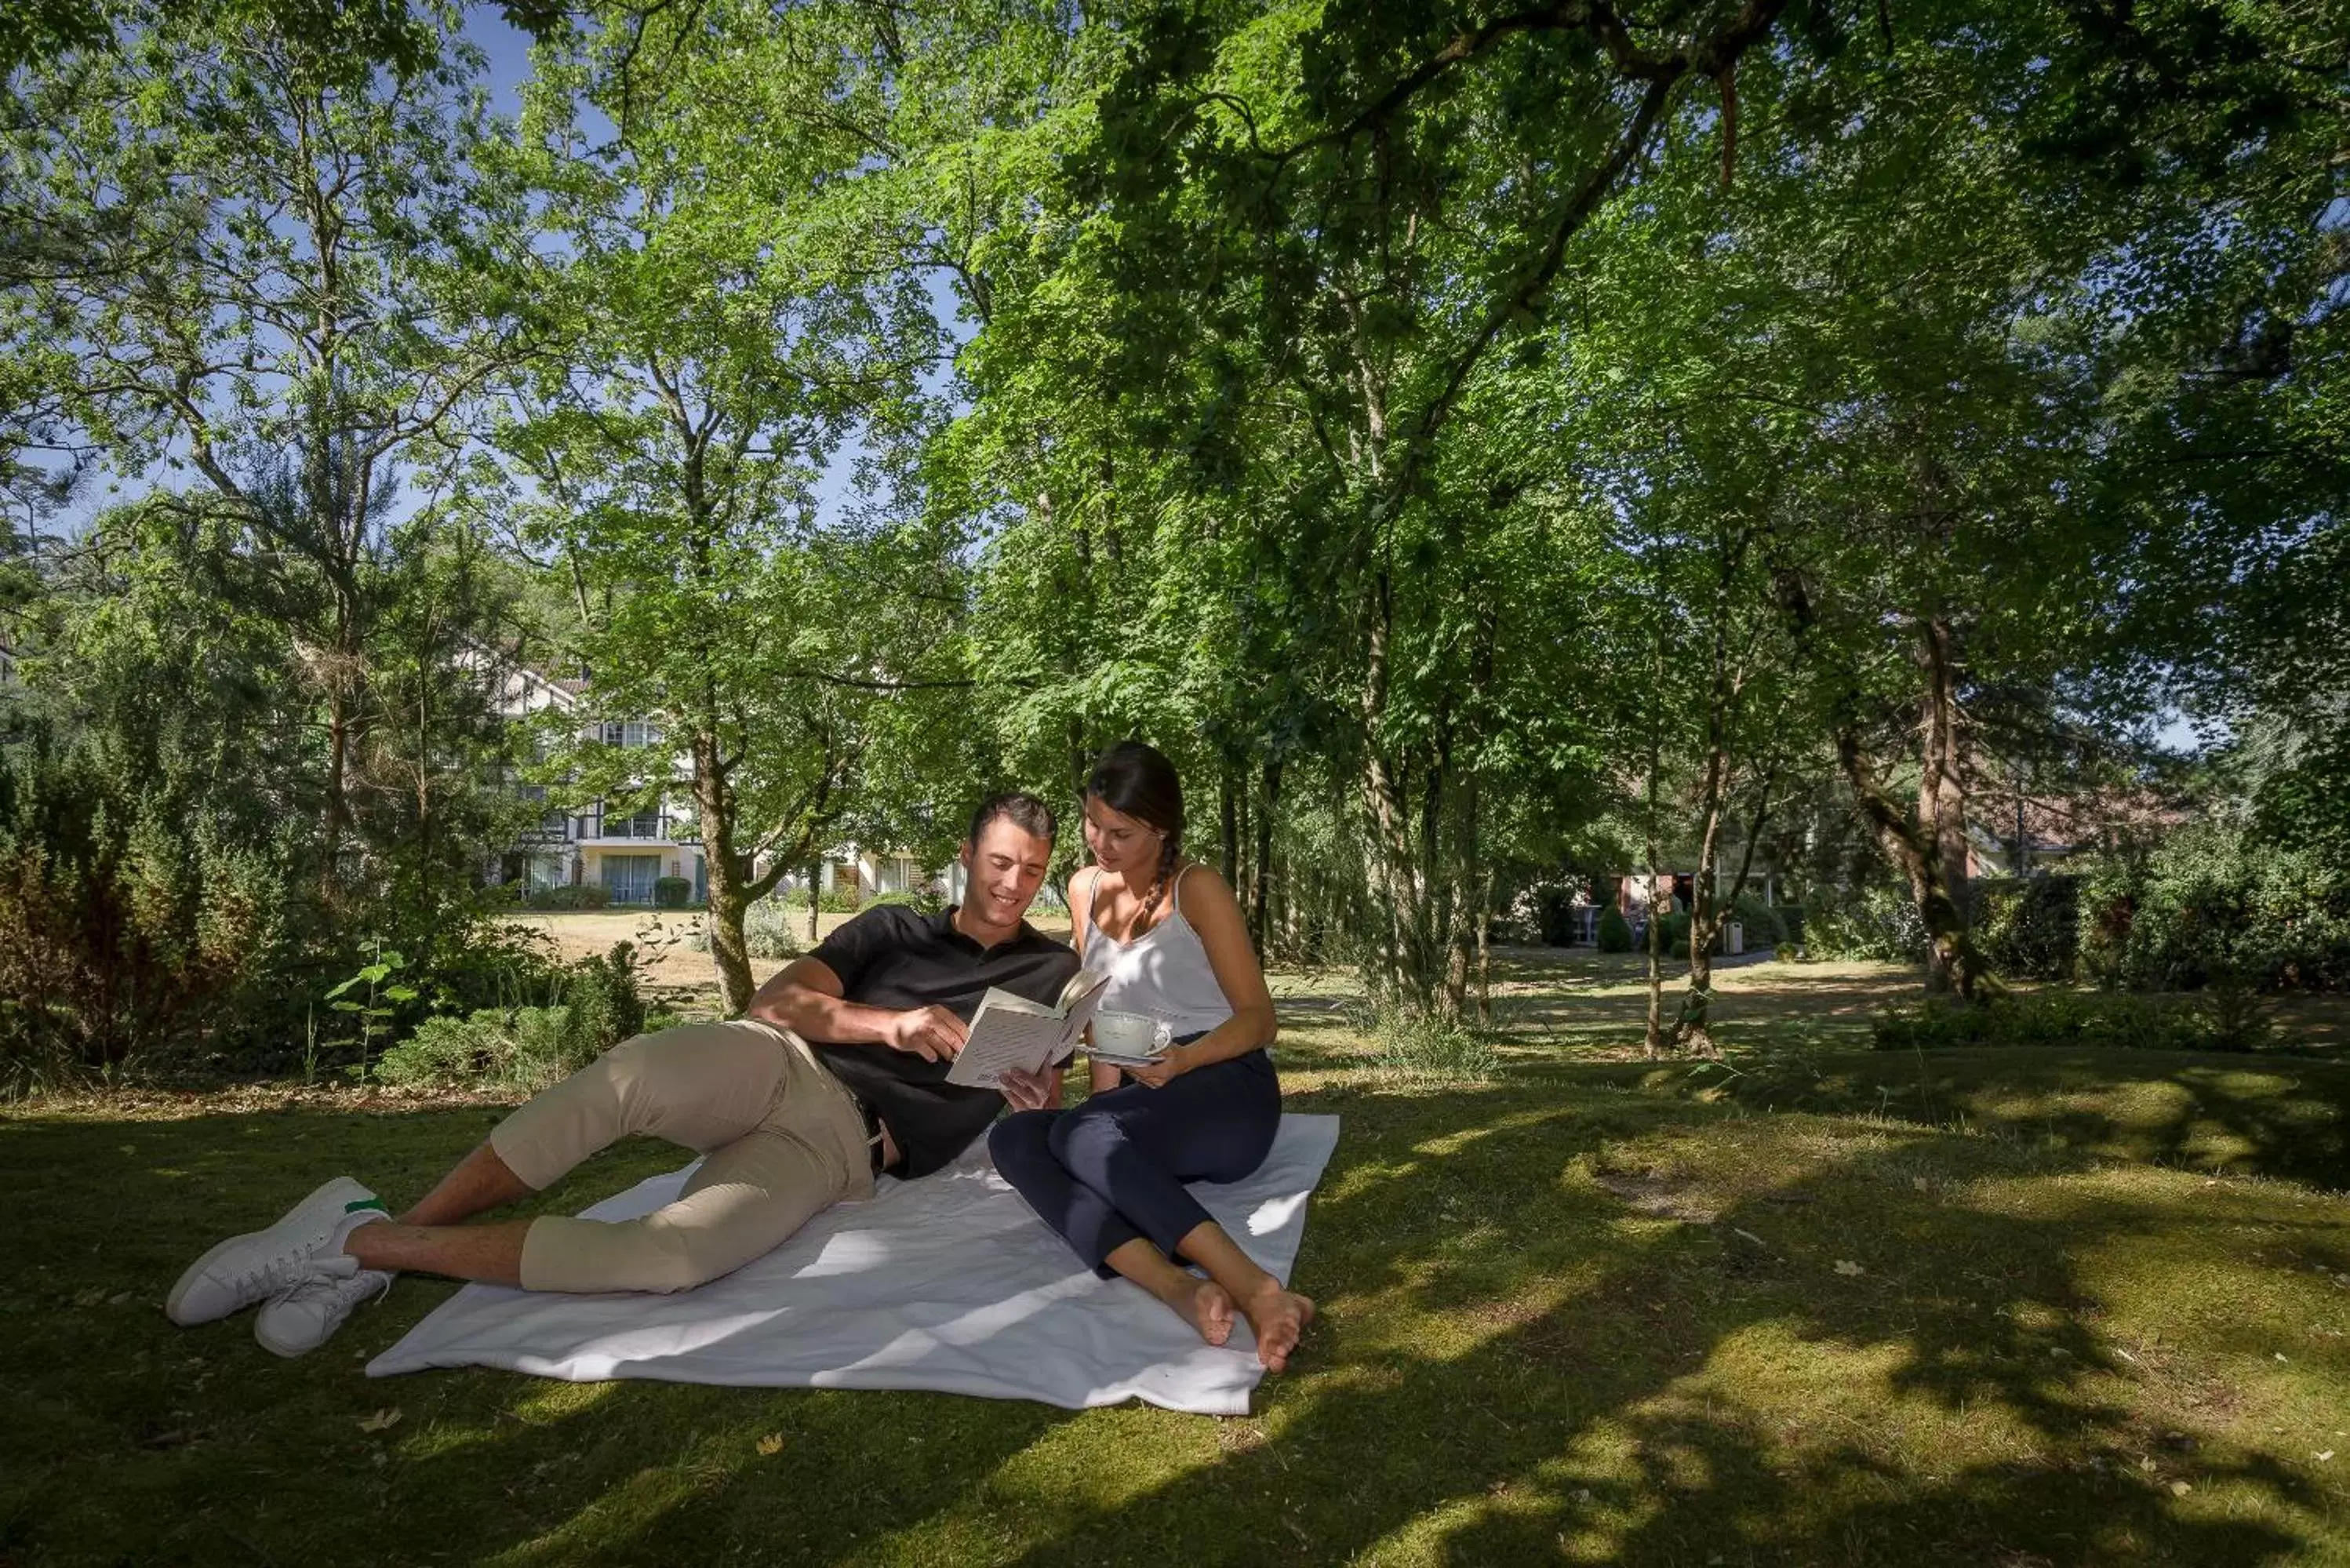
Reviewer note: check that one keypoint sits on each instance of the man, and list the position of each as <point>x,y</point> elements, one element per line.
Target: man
<point>787,1128</point>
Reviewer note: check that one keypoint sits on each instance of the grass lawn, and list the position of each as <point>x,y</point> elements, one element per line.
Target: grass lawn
<point>1817,1305</point>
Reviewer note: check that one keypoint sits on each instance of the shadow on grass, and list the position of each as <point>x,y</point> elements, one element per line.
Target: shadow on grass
<point>1517,1360</point>
<point>1583,1421</point>
<point>2262,1115</point>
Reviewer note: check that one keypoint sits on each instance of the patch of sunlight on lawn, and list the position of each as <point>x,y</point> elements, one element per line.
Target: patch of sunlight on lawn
<point>628,1508</point>
<point>550,1400</point>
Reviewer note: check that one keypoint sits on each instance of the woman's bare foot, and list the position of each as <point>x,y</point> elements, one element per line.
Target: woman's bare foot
<point>1206,1305</point>
<point>1278,1316</point>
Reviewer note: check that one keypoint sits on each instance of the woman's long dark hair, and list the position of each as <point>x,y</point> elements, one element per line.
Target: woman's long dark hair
<point>1138,781</point>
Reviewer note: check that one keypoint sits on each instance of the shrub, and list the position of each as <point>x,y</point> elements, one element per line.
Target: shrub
<point>522,1048</point>
<point>2215,905</point>
<point>519,1049</point>
<point>124,930</point>
<point>673,892</point>
<point>2070,1018</point>
<point>1615,931</point>
<point>1762,921</point>
<point>1555,916</point>
<point>1791,925</point>
<point>928,902</point>
<point>2029,929</point>
<point>580,896</point>
<point>830,901</point>
<point>1676,934</point>
<point>602,1003</point>
<point>768,932</point>
<point>1878,923</point>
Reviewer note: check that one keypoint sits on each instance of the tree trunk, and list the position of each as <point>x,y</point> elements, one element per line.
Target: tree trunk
<point>1652,1042</point>
<point>1951,964</point>
<point>1485,952</point>
<point>729,899</point>
<point>1926,846</point>
<point>1693,1030</point>
<point>1261,872</point>
<point>1232,826</point>
<point>1398,978</point>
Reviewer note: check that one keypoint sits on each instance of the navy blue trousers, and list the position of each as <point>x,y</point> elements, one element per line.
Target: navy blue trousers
<point>1114,1168</point>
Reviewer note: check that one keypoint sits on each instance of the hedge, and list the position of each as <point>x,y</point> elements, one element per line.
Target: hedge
<point>579,896</point>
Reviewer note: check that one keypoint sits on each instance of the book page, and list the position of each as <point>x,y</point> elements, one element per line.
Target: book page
<point>1083,984</point>
<point>1008,1034</point>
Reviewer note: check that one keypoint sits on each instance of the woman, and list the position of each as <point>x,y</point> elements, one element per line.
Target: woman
<point>1109,1175</point>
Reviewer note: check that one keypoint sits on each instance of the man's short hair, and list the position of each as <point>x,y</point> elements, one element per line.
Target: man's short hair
<point>1023,810</point>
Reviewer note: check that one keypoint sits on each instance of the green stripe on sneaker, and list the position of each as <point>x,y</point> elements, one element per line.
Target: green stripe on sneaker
<point>374,1203</point>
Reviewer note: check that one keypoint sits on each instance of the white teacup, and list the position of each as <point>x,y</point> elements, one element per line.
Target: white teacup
<point>1130,1033</point>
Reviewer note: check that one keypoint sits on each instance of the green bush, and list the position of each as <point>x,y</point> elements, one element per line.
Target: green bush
<point>579,896</point>
<point>1791,924</point>
<point>673,892</point>
<point>770,930</point>
<point>516,1050</point>
<point>928,902</point>
<point>1555,916</point>
<point>2072,1018</point>
<point>1615,931</point>
<point>830,901</point>
<point>1675,934</point>
<point>602,1003</point>
<point>1760,919</point>
<point>523,1048</point>
<point>125,931</point>
<point>2215,905</point>
<point>1878,923</point>
<point>2029,929</point>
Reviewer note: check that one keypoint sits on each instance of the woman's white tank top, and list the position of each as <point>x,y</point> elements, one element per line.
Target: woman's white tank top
<point>1164,972</point>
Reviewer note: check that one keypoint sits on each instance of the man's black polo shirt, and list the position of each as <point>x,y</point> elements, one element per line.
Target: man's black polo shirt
<point>897,958</point>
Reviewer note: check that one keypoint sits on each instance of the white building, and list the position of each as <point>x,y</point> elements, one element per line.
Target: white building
<point>626,854</point>
<point>623,854</point>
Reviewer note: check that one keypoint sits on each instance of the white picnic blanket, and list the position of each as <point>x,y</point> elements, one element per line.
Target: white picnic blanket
<point>948,1282</point>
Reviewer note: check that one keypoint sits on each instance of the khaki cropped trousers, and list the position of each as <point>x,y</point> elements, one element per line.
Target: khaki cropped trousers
<point>781,1138</point>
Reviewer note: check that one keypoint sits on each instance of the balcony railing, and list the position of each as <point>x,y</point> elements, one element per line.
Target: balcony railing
<point>651,827</point>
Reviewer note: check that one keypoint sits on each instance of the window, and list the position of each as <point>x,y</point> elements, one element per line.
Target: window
<point>629,878</point>
<point>643,824</point>
<point>630,732</point>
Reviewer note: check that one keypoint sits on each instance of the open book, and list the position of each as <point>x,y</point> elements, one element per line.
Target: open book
<point>1013,1034</point>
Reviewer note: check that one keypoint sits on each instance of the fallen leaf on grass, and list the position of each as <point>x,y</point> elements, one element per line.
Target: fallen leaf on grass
<point>1749,1235</point>
<point>118,1298</point>
<point>772,1444</point>
<point>1847,1266</point>
<point>1918,1183</point>
<point>2179,1489</point>
<point>2322,1457</point>
<point>383,1420</point>
<point>90,1298</point>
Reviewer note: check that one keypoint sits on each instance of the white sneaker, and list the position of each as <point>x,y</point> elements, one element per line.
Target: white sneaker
<point>301,1320</point>
<point>260,1264</point>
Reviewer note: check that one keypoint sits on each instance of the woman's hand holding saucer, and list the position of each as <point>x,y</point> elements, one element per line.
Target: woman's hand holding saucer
<point>1168,1065</point>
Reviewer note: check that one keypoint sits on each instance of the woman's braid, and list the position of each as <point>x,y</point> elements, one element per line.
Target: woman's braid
<point>1171,850</point>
